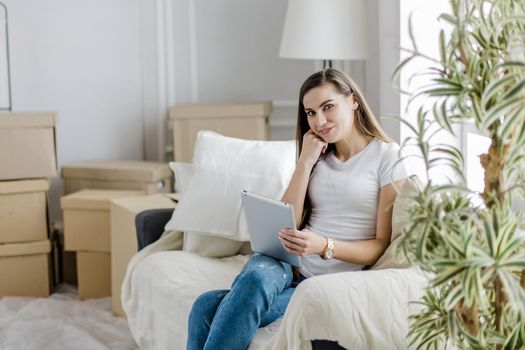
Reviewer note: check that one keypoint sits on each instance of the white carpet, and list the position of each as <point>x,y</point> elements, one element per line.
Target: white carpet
<point>61,321</point>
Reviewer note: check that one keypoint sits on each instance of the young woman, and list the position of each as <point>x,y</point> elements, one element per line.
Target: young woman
<point>342,190</point>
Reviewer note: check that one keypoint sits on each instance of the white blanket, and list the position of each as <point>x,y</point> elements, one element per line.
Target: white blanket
<point>161,285</point>
<point>361,310</point>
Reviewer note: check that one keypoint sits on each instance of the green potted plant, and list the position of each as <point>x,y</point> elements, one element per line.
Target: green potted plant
<point>472,245</point>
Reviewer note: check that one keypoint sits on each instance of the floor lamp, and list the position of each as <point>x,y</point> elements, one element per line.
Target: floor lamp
<point>325,30</point>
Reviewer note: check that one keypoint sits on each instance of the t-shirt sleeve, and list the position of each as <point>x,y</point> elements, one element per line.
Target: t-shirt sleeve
<point>391,168</point>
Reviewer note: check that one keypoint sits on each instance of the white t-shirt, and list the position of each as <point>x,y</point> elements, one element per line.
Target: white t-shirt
<point>344,198</point>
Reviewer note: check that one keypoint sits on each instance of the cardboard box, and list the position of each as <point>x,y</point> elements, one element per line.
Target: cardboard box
<point>23,214</point>
<point>94,275</point>
<point>86,219</point>
<point>124,237</point>
<point>242,120</point>
<point>27,145</point>
<point>149,177</point>
<point>25,269</point>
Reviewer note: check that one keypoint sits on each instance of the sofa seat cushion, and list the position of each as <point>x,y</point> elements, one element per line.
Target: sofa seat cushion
<point>164,286</point>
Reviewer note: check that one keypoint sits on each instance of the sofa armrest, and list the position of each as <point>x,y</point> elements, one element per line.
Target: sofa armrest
<point>359,310</point>
<point>150,225</point>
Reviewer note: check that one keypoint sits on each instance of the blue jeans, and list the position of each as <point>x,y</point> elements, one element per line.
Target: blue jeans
<point>228,319</point>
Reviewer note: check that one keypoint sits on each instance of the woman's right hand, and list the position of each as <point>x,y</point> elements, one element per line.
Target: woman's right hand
<point>312,148</point>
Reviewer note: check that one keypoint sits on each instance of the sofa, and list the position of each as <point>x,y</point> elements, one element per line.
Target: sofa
<point>366,309</point>
<point>150,226</point>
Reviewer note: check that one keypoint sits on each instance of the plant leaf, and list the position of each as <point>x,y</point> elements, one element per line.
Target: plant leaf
<point>447,275</point>
<point>512,122</point>
<point>500,110</point>
<point>496,86</point>
<point>513,290</point>
<point>411,32</point>
<point>514,90</point>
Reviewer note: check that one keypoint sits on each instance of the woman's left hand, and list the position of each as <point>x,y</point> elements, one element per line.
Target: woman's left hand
<point>301,242</point>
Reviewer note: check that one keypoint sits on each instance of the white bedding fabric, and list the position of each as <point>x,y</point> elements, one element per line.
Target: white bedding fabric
<point>62,322</point>
<point>361,310</point>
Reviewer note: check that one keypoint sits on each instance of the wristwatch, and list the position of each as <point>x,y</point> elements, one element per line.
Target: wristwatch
<point>328,251</point>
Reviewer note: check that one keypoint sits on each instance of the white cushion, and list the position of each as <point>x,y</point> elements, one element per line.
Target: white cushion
<point>391,258</point>
<point>163,288</point>
<point>359,309</point>
<point>223,167</point>
<point>196,242</point>
<point>182,173</point>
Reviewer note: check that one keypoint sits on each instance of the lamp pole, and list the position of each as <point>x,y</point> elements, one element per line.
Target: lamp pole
<point>8,65</point>
<point>327,64</point>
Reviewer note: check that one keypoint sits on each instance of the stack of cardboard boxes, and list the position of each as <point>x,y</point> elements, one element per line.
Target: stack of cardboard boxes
<point>27,160</point>
<point>87,234</point>
<point>90,188</point>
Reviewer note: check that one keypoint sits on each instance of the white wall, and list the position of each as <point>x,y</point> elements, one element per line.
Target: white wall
<point>82,59</point>
<point>237,52</point>
<point>227,50</point>
<point>112,68</point>
<point>388,38</point>
<point>375,74</point>
<point>232,54</point>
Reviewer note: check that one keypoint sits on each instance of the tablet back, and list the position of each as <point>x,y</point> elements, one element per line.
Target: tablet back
<point>265,217</point>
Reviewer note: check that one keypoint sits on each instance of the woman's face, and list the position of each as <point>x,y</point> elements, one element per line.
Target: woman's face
<point>330,114</point>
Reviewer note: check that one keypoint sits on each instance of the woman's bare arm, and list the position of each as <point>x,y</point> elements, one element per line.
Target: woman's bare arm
<point>295,194</point>
<point>356,252</point>
<point>296,191</point>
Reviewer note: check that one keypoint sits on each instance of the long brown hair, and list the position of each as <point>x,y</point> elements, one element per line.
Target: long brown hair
<point>364,120</point>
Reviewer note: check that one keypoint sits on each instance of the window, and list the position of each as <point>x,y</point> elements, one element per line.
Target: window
<point>468,140</point>
<point>474,144</point>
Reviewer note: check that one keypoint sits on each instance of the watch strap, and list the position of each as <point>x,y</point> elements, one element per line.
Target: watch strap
<point>328,251</point>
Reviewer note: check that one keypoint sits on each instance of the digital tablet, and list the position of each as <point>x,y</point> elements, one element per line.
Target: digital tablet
<point>265,217</point>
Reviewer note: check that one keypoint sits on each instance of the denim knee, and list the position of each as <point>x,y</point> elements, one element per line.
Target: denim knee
<point>204,307</point>
<point>269,263</point>
<point>264,272</point>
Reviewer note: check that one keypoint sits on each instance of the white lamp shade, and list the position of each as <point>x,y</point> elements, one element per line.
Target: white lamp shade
<point>325,30</point>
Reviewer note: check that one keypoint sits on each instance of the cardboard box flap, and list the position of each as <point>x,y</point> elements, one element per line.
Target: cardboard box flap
<point>139,204</point>
<point>23,186</point>
<point>233,110</point>
<point>19,120</point>
<point>118,170</point>
<point>31,248</point>
<point>94,199</point>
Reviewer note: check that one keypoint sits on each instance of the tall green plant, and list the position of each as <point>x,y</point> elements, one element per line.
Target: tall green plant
<point>472,244</point>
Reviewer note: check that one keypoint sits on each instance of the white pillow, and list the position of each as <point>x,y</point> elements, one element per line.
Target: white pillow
<point>182,174</point>
<point>223,167</point>
<point>195,242</point>
<point>391,259</point>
